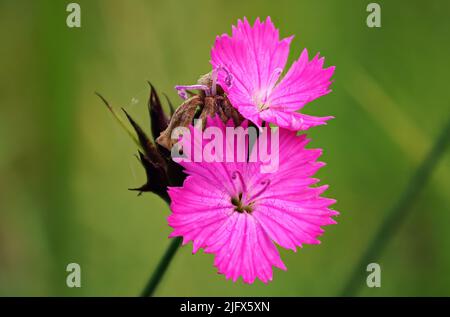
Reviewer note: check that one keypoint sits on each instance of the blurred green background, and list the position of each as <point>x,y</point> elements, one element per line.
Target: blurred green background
<point>65,165</point>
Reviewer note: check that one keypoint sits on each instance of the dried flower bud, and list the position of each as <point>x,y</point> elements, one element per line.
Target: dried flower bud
<point>158,119</point>
<point>157,180</point>
<point>160,169</point>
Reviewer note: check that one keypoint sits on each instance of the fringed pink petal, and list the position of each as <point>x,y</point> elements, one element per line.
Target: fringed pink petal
<point>249,64</point>
<point>305,81</point>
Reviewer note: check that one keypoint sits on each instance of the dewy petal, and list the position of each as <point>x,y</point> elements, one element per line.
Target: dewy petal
<point>255,57</point>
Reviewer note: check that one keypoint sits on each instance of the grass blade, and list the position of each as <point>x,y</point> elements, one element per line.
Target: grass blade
<point>398,212</point>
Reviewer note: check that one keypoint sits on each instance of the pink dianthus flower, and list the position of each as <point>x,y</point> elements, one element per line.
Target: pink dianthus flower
<point>236,212</point>
<point>249,64</point>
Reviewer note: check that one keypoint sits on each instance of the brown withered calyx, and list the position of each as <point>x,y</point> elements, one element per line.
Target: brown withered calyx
<point>200,106</point>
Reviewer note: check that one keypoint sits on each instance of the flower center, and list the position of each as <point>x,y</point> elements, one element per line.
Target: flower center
<point>263,96</point>
<point>260,100</point>
<point>245,200</point>
<point>263,106</point>
<point>240,206</point>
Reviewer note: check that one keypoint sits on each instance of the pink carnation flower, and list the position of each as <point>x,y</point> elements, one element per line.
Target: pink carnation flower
<point>233,210</point>
<point>249,64</point>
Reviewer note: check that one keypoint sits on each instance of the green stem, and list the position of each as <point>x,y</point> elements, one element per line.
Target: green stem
<point>163,264</point>
<point>398,212</point>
